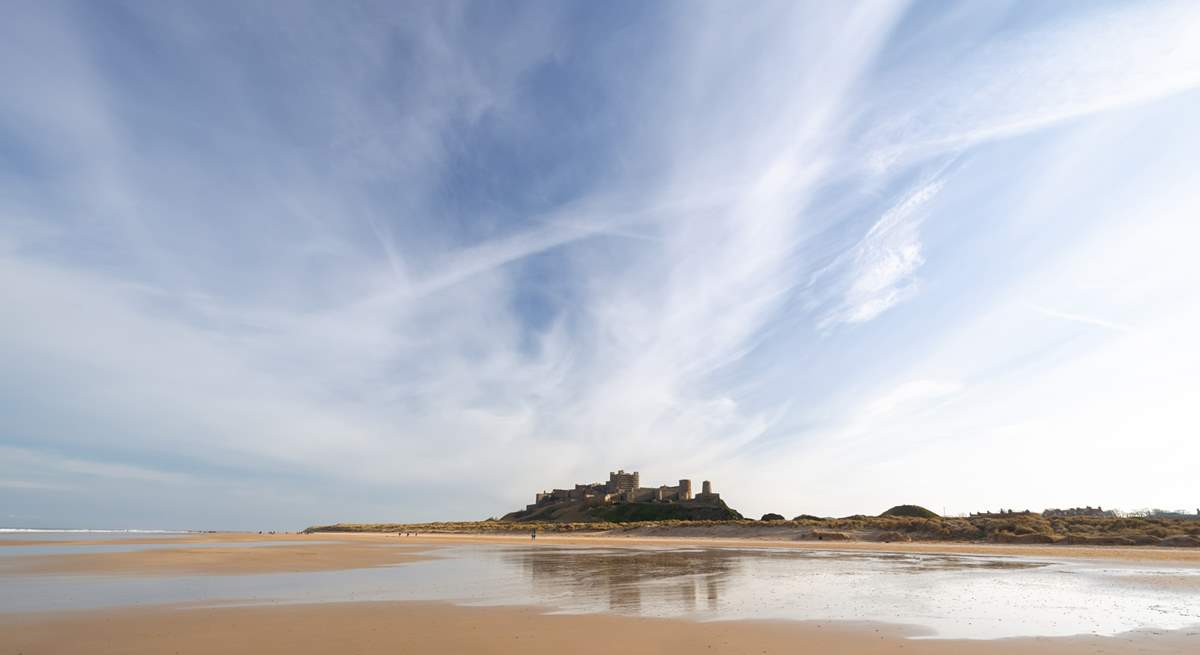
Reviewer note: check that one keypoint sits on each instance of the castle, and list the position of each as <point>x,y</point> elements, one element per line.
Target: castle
<point>625,487</point>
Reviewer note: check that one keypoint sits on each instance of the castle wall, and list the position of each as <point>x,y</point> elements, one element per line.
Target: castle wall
<point>624,487</point>
<point>664,493</point>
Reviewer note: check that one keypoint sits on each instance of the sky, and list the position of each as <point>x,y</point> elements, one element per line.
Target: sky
<point>265,265</point>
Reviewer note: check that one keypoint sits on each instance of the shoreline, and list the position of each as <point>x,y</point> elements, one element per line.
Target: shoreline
<point>344,550</point>
<point>441,627</point>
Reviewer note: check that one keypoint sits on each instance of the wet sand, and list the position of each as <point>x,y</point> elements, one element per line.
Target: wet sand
<point>440,628</point>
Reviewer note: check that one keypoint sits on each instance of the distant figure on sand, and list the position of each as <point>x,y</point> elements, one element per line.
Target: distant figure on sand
<point>533,533</point>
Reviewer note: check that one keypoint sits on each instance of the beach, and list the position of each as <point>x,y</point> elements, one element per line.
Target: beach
<point>249,593</point>
<point>441,628</point>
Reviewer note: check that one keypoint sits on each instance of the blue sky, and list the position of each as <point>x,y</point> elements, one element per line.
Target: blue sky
<point>266,265</point>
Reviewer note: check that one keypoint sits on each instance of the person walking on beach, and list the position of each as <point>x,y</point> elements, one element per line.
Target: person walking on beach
<point>533,533</point>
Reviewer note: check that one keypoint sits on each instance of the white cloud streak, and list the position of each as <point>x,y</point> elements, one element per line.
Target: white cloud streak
<point>1080,318</point>
<point>311,300</point>
<point>879,271</point>
<point>1029,80</point>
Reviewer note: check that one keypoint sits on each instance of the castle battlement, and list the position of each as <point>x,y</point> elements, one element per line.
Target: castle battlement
<point>623,487</point>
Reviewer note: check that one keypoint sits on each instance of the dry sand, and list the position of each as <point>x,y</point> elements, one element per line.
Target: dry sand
<point>187,538</point>
<point>439,628</point>
<point>222,560</point>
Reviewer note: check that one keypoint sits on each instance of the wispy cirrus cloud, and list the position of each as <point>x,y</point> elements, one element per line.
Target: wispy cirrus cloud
<point>1026,80</point>
<point>1080,318</point>
<point>880,270</point>
<point>393,253</point>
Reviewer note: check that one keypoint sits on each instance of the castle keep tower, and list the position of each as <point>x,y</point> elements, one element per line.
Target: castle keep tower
<point>685,490</point>
<point>622,482</point>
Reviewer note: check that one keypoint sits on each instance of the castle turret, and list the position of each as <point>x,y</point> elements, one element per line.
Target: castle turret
<point>685,490</point>
<point>706,494</point>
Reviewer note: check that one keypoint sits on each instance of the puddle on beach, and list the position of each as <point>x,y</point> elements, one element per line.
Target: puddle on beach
<point>951,596</point>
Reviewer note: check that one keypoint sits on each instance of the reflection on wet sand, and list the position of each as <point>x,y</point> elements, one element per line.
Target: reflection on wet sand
<point>690,580</point>
<point>960,595</point>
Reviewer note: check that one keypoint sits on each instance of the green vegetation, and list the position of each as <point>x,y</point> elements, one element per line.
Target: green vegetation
<point>771,516</point>
<point>641,512</point>
<point>910,510</point>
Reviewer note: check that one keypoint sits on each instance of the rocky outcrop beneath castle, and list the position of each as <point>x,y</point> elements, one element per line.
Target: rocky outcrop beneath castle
<point>581,512</point>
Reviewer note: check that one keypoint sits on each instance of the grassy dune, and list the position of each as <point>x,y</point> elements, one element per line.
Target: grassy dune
<point>1028,529</point>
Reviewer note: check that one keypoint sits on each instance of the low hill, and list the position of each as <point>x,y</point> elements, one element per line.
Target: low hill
<point>910,511</point>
